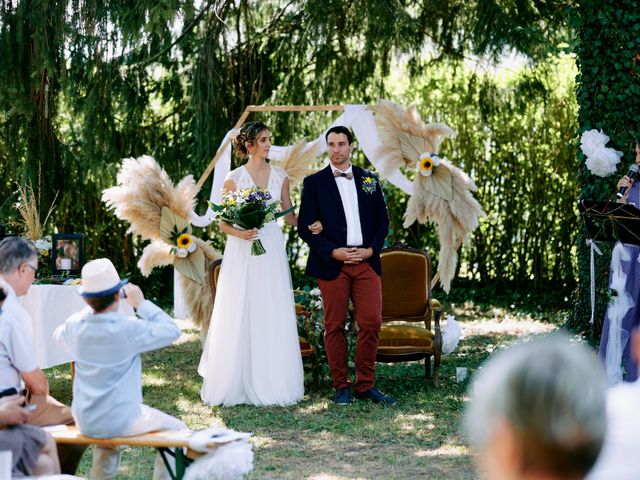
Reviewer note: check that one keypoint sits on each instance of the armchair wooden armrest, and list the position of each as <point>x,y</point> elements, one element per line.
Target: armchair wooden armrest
<point>437,339</point>
<point>434,305</point>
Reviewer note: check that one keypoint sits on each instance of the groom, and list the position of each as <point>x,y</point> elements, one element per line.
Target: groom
<point>345,258</point>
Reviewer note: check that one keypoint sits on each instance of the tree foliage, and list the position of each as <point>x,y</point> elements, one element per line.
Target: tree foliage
<point>88,82</point>
<point>515,136</point>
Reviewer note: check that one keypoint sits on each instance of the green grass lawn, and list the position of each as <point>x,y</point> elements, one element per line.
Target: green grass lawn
<point>418,438</point>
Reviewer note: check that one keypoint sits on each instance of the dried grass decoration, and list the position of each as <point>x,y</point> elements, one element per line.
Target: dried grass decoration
<point>29,209</point>
<point>158,211</point>
<point>442,193</point>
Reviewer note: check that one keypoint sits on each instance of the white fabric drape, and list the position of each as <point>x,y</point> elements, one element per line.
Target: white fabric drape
<point>618,308</point>
<point>361,121</point>
<point>594,249</point>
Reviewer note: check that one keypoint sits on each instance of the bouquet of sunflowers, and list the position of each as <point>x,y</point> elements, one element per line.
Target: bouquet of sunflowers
<point>247,209</point>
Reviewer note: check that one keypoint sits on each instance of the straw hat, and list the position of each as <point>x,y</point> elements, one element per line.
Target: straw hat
<point>100,279</point>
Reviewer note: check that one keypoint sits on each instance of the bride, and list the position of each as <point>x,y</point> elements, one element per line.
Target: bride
<point>251,354</point>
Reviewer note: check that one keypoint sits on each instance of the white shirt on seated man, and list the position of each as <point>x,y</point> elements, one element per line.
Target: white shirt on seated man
<point>18,366</point>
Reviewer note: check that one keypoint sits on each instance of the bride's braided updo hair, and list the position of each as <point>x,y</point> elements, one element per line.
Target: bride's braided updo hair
<point>248,134</point>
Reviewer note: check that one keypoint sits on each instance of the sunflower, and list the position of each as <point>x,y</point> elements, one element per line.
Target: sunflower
<point>184,241</point>
<point>426,163</point>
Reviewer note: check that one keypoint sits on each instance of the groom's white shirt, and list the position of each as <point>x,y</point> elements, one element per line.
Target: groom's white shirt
<point>349,196</point>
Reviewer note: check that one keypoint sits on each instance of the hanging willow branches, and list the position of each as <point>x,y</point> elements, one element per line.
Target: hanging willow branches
<point>89,82</point>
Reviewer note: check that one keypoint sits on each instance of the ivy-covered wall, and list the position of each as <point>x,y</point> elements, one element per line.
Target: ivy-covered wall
<point>608,94</point>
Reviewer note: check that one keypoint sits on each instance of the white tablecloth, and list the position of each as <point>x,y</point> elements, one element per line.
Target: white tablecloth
<point>49,306</point>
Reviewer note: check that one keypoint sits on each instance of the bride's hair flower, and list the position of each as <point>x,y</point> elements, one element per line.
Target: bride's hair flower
<point>182,253</point>
<point>426,163</point>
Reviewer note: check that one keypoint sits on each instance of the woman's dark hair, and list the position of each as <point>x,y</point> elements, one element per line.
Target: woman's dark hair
<point>249,133</point>
<point>340,129</point>
<point>637,141</point>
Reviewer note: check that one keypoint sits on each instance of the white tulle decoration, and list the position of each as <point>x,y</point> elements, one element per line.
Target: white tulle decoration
<point>451,335</point>
<point>618,308</point>
<point>604,161</point>
<point>601,161</point>
<point>227,462</point>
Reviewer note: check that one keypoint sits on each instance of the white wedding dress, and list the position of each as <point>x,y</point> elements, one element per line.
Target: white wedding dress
<point>252,354</point>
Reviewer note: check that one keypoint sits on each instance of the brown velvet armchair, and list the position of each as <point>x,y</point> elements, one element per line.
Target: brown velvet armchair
<point>410,317</point>
<point>306,349</point>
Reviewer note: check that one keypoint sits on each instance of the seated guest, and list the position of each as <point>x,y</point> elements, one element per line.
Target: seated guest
<point>33,450</point>
<point>537,411</point>
<point>619,459</point>
<point>106,348</point>
<point>18,266</point>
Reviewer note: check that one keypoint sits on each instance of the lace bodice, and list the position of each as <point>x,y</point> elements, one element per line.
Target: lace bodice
<point>242,179</point>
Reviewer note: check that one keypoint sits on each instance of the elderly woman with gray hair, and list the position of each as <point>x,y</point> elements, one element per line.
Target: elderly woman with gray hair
<point>538,411</point>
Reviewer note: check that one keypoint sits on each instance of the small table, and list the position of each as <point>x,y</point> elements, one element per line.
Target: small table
<point>50,306</point>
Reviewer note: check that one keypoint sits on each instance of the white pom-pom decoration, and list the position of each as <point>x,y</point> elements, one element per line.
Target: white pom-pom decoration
<point>451,335</point>
<point>592,140</point>
<point>228,462</point>
<point>601,161</point>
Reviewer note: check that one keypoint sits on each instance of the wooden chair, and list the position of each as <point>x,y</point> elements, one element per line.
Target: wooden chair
<point>408,310</point>
<point>306,349</point>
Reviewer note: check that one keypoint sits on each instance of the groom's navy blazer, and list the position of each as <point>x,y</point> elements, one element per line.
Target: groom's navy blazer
<point>321,201</point>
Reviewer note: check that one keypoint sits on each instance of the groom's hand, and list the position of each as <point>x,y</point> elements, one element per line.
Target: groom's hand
<point>352,255</point>
<point>358,255</point>
<point>342,254</point>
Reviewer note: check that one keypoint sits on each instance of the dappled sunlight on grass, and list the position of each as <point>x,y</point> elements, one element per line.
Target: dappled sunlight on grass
<point>154,379</point>
<point>317,407</point>
<point>324,476</point>
<point>262,441</point>
<point>508,326</point>
<point>409,423</point>
<point>444,451</point>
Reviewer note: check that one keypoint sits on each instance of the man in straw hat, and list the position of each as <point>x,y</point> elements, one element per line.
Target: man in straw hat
<point>106,347</point>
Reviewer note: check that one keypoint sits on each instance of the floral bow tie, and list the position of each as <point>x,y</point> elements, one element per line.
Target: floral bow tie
<point>348,176</point>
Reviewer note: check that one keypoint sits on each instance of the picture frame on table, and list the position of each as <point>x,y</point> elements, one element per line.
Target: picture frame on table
<point>67,253</point>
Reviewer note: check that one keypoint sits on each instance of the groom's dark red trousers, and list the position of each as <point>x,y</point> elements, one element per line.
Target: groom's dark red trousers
<point>362,284</point>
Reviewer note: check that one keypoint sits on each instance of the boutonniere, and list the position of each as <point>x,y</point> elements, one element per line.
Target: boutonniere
<point>369,185</point>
